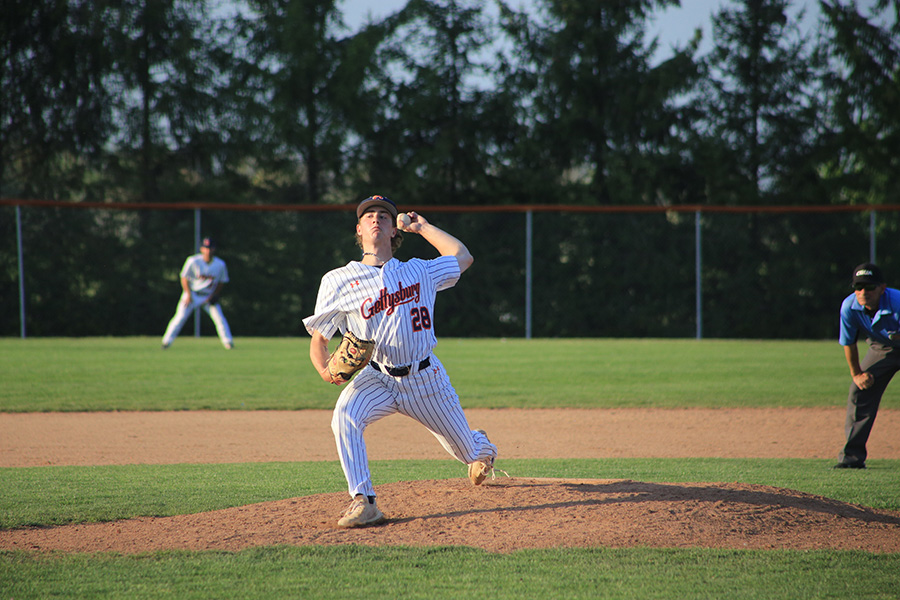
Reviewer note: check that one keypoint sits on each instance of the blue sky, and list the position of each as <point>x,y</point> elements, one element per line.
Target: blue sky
<point>674,26</point>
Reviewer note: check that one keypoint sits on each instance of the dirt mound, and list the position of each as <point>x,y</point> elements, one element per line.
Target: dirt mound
<point>504,515</point>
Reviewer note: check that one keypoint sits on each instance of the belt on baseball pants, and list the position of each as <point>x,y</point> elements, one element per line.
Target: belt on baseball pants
<point>400,371</point>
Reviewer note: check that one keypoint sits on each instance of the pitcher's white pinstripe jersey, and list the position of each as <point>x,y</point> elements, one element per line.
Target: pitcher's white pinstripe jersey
<point>393,305</point>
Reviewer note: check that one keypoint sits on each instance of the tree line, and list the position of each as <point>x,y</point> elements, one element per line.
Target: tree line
<point>450,102</point>
<point>447,102</point>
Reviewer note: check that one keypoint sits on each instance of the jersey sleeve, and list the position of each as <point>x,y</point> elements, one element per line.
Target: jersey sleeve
<point>328,316</point>
<point>444,271</point>
<point>224,278</point>
<point>186,267</point>
<point>849,328</point>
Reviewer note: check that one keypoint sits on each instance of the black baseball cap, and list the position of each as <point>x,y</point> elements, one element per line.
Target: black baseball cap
<point>867,273</point>
<point>208,243</point>
<point>376,201</point>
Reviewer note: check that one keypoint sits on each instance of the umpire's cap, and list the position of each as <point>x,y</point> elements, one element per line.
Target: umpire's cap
<point>208,242</point>
<point>376,201</point>
<point>867,273</point>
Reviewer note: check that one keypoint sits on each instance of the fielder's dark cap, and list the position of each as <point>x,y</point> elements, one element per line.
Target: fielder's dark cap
<point>867,273</point>
<point>208,243</point>
<point>376,201</point>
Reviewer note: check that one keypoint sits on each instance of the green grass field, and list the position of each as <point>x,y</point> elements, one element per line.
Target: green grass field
<point>134,374</point>
<point>264,374</point>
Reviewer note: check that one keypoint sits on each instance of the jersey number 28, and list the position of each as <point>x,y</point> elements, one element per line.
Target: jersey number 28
<point>421,318</point>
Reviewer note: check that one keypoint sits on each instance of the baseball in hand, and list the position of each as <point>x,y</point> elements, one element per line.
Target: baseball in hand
<point>403,221</point>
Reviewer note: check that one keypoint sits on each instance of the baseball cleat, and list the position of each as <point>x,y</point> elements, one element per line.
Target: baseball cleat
<point>480,469</point>
<point>361,513</point>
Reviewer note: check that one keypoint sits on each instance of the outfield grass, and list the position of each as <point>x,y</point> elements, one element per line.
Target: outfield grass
<point>266,373</point>
<point>134,374</point>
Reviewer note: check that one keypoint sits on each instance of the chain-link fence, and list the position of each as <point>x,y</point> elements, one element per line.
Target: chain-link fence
<point>113,271</point>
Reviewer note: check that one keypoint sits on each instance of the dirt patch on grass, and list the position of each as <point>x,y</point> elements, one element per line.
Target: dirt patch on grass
<point>505,514</point>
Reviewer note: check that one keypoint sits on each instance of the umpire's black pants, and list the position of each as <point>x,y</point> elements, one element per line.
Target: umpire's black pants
<point>862,405</point>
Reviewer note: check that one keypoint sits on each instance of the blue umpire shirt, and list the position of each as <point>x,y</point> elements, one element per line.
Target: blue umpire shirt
<point>883,328</point>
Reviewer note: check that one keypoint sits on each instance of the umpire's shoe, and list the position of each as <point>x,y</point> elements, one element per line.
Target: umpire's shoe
<point>362,512</point>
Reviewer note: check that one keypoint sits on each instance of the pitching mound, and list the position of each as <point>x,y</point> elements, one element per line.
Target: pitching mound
<point>505,515</point>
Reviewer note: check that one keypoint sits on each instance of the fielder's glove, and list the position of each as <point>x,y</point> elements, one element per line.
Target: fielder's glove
<point>213,298</point>
<point>350,356</point>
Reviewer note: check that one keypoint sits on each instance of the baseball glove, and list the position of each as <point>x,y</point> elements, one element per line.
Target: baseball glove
<point>350,356</point>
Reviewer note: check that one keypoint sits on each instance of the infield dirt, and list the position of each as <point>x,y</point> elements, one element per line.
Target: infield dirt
<point>505,514</point>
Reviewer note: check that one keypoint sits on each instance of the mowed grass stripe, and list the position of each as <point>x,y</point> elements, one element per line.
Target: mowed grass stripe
<point>89,374</point>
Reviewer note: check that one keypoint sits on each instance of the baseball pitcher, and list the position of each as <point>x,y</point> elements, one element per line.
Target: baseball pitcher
<point>389,304</point>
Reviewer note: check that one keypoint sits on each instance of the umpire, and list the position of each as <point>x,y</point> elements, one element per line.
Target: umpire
<point>871,311</point>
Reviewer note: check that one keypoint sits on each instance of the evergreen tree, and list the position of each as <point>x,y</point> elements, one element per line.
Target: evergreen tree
<point>167,90</point>
<point>55,111</point>
<point>865,92</point>
<point>438,117</point>
<point>297,88</point>
<point>761,108</point>
<point>602,114</point>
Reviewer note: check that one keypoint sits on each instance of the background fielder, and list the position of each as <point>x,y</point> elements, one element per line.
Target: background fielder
<point>202,278</point>
<point>391,302</point>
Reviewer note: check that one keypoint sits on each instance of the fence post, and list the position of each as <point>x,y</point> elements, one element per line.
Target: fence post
<point>196,247</point>
<point>529,227</point>
<point>21,272</point>
<point>698,277</point>
<point>872,236</point>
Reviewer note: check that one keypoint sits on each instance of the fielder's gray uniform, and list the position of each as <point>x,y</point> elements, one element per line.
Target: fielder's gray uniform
<point>393,305</point>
